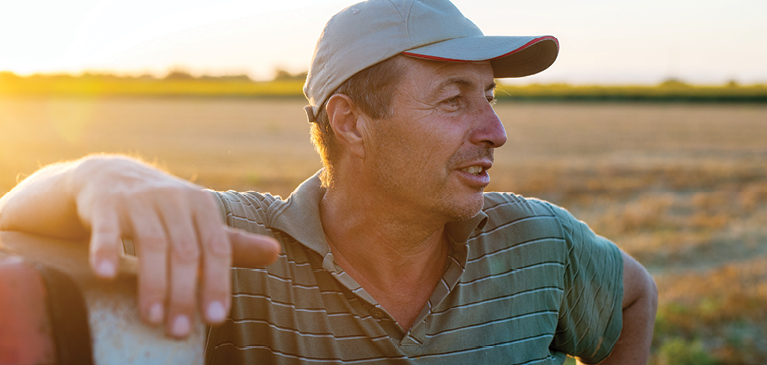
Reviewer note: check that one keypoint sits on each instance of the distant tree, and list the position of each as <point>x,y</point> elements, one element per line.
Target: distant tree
<point>99,76</point>
<point>178,73</point>
<point>673,82</point>
<point>280,75</point>
<point>732,83</point>
<point>8,76</point>
<point>58,76</point>
<point>241,77</point>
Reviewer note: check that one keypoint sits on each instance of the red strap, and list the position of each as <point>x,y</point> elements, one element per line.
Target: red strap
<point>26,334</point>
<point>43,317</point>
<point>69,315</point>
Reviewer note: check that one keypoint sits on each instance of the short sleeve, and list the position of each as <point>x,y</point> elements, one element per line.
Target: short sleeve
<point>246,211</point>
<point>591,314</point>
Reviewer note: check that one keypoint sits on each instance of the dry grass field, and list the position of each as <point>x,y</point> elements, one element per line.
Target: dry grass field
<point>681,187</point>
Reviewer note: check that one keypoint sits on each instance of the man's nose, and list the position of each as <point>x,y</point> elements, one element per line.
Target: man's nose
<point>489,129</point>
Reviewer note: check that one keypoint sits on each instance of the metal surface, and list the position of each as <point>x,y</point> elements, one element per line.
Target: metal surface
<point>119,336</point>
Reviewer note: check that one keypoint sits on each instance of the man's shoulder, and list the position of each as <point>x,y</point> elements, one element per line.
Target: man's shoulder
<point>515,215</point>
<point>512,207</point>
<point>499,203</point>
<point>262,200</point>
<point>247,210</point>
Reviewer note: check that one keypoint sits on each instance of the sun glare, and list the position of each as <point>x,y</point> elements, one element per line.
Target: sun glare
<point>648,41</point>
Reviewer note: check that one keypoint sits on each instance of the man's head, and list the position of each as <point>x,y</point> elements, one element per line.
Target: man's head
<point>431,154</point>
<point>350,54</point>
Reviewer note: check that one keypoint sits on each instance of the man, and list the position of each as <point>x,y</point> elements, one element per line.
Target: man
<point>392,253</point>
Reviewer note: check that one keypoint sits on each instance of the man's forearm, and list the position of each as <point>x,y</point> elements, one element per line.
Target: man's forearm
<point>182,243</point>
<point>43,204</point>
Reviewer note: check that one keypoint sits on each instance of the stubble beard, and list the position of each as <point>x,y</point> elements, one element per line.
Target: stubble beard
<point>395,179</point>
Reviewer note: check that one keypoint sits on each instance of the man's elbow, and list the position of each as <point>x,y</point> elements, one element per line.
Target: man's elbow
<point>652,293</point>
<point>638,284</point>
<point>640,304</point>
<point>648,294</point>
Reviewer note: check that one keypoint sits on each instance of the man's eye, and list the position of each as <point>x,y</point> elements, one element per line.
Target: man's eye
<point>453,102</point>
<point>491,100</point>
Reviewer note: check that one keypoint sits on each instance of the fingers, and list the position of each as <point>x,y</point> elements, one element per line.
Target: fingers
<point>179,242</point>
<point>106,243</point>
<point>184,250</point>
<point>215,291</point>
<point>252,250</point>
<point>184,260</point>
<point>151,248</point>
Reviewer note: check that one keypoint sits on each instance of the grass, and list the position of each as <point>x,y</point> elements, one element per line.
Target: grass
<point>681,187</point>
<point>151,88</point>
<point>110,85</point>
<point>667,92</point>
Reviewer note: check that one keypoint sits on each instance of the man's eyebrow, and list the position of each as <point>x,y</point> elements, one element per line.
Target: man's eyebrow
<point>463,82</point>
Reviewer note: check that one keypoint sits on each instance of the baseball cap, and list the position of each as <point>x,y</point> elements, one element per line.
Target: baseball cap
<point>372,31</point>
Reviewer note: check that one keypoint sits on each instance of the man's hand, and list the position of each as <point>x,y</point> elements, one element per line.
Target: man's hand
<point>181,241</point>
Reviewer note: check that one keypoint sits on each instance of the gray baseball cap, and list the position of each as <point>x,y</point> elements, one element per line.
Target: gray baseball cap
<point>372,31</point>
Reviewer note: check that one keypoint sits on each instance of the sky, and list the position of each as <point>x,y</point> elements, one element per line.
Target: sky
<point>602,41</point>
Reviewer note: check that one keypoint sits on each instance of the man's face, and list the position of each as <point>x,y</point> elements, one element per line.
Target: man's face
<point>434,151</point>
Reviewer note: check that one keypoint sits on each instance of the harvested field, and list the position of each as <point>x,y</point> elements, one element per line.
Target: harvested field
<point>681,187</point>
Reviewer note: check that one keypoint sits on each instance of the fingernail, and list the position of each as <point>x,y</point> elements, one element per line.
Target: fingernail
<point>216,312</point>
<point>181,326</point>
<point>106,269</point>
<point>155,313</point>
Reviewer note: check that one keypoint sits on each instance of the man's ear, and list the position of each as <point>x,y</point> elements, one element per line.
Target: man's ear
<point>347,123</point>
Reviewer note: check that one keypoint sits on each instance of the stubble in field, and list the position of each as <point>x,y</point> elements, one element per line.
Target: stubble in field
<point>683,188</point>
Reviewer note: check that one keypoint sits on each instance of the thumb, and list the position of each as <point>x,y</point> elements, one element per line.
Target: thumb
<point>252,250</point>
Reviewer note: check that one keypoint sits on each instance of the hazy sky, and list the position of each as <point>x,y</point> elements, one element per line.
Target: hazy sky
<point>615,41</point>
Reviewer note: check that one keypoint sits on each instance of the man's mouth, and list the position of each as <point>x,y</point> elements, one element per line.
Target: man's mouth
<point>474,170</point>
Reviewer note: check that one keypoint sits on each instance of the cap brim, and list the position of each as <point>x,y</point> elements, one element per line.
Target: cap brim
<point>509,56</point>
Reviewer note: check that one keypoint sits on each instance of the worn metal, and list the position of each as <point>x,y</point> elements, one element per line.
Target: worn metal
<point>119,336</point>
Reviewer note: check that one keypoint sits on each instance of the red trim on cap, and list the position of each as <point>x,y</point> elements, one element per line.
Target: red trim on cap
<point>525,46</point>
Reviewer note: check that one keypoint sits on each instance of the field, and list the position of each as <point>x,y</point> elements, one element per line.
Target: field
<point>182,84</point>
<point>681,187</point>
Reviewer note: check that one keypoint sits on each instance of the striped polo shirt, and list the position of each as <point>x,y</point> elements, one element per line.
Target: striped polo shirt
<point>525,283</point>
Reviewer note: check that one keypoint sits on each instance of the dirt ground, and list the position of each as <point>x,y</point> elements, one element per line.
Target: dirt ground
<point>681,187</point>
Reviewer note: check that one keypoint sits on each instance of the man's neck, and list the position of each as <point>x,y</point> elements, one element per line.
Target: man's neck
<point>397,256</point>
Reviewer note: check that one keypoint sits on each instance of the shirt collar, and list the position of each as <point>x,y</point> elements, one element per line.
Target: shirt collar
<point>299,217</point>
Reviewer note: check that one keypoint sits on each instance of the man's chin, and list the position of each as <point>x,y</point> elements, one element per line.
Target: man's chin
<point>469,207</point>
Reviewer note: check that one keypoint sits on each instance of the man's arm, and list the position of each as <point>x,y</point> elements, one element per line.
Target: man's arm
<point>640,302</point>
<point>175,225</point>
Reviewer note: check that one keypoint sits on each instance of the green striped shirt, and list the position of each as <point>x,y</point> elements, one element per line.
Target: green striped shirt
<point>525,283</point>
